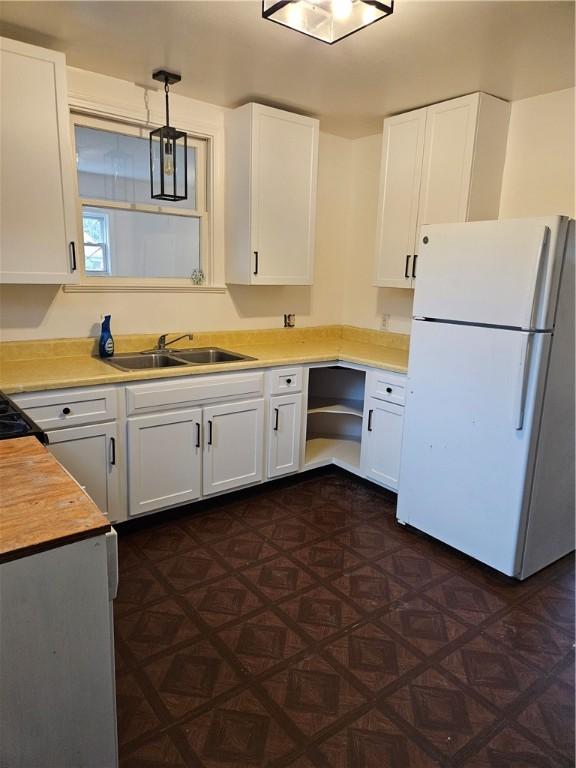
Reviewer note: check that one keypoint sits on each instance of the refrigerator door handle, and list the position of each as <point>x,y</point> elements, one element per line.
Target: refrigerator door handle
<point>532,306</point>
<point>523,371</point>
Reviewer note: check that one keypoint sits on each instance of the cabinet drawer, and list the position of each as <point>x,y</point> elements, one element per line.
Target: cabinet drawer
<point>52,410</point>
<point>388,386</point>
<point>179,393</point>
<point>284,380</point>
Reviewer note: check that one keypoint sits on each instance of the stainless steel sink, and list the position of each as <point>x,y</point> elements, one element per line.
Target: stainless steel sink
<point>207,355</point>
<point>145,361</point>
<point>139,362</point>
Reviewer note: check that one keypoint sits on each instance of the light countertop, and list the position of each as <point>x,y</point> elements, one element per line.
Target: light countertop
<point>69,364</point>
<point>41,505</point>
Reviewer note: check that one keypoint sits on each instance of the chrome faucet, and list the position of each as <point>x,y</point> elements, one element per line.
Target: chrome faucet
<point>162,343</point>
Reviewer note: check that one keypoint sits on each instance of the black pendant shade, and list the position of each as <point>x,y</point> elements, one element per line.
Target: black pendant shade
<point>168,153</point>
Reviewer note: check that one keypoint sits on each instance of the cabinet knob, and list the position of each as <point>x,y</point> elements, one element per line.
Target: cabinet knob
<point>288,381</point>
<point>66,411</point>
<point>389,390</point>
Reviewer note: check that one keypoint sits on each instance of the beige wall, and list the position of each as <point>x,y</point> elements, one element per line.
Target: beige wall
<point>539,171</point>
<point>538,179</point>
<point>364,304</point>
<point>28,312</point>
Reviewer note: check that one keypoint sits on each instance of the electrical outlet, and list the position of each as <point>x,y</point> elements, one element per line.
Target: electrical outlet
<point>289,321</point>
<point>385,322</point>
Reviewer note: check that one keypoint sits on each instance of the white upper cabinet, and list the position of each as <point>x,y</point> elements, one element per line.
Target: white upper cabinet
<point>403,149</point>
<point>37,207</point>
<point>440,164</point>
<point>271,173</point>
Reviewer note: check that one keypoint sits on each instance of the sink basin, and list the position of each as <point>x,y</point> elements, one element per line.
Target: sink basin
<point>207,355</point>
<point>127,362</point>
<point>146,361</point>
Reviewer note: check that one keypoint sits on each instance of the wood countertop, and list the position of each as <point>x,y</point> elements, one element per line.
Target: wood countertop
<point>41,505</point>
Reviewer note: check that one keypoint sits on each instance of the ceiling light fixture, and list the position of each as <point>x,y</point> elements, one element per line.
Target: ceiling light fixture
<point>168,152</point>
<point>326,20</point>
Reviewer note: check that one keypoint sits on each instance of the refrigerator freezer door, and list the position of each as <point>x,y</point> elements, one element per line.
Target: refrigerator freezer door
<point>473,396</point>
<point>502,273</point>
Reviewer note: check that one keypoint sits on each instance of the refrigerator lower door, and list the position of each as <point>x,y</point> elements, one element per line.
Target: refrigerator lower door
<point>473,397</point>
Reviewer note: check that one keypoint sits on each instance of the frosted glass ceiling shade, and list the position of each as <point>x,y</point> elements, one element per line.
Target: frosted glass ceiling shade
<point>326,20</point>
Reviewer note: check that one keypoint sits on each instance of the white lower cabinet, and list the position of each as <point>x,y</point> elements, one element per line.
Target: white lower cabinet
<point>233,445</point>
<point>164,460</point>
<point>90,455</point>
<point>192,450</point>
<point>382,442</point>
<point>284,434</point>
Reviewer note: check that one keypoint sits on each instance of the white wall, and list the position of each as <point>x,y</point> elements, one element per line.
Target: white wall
<point>539,170</point>
<point>538,179</point>
<point>36,312</point>
<point>364,304</point>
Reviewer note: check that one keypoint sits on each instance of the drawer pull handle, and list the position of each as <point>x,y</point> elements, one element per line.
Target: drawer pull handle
<point>66,411</point>
<point>370,412</point>
<point>389,390</point>
<point>112,450</point>
<point>288,381</point>
<point>210,432</point>
<point>276,416</point>
<point>197,435</point>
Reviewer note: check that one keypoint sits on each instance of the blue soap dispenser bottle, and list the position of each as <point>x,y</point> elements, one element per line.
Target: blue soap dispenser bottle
<point>106,343</point>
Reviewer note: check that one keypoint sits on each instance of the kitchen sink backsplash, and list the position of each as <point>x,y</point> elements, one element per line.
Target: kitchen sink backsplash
<point>12,351</point>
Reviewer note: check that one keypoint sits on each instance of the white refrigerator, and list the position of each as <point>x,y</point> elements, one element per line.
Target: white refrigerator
<point>488,447</point>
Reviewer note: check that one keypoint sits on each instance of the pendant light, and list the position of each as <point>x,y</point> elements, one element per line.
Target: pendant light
<point>168,152</point>
<point>326,20</point>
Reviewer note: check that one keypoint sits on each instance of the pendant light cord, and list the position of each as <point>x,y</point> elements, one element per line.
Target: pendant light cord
<point>166,89</point>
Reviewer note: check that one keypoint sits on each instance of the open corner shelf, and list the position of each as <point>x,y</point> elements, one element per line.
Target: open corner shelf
<point>343,451</point>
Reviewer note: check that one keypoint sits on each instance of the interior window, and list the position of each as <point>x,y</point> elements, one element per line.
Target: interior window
<point>127,233</point>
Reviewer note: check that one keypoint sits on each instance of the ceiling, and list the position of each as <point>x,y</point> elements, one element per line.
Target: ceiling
<point>228,54</point>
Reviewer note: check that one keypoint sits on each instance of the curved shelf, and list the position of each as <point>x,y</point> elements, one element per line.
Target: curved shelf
<point>336,406</point>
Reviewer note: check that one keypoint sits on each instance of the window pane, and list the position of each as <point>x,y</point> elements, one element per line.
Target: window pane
<point>93,230</point>
<point>94,258</point>
<point>115,166</point>
<point>150,244</point>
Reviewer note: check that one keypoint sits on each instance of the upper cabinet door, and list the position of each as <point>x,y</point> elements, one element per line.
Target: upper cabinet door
<point>272,168</point>
<point>402,152</point>
<point>447,166</point>
<point>37,207</point>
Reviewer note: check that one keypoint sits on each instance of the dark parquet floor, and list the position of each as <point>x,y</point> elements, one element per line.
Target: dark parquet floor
<point>299,625</point>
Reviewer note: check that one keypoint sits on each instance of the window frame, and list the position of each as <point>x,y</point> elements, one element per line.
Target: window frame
<point>105,245</point>
<point>203,211</point>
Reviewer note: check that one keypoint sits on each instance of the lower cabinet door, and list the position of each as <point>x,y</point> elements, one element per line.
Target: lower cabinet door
<point>382,442</point>
<point>284,431</point>
<point>233,445</point>
<point>90,455</point>
<point>164,460</point>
